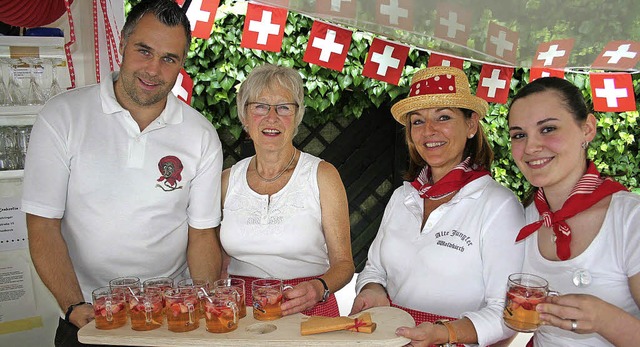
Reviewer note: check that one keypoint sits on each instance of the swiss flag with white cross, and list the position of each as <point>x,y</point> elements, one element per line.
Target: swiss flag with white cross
<point>453,23</point>
<point>201,14</point>
<point>385,61</point>
<point>445,60</point>
<point>264,27</point>
<point>621,55</point>
<point>395,13</point>
<point>494,83</point>
<point>183,87</point>
<point>502,43</point>
<point>337,8</point>
<point>328,46</point>
<point>537,72</point>
<point>612,92</point>
<point>554,54</point>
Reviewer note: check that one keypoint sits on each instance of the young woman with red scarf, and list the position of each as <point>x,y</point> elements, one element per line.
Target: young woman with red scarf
<point>583,234</point>
<point>445,246</point>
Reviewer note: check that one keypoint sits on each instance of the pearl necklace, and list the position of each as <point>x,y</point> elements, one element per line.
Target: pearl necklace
<point>279,174</point>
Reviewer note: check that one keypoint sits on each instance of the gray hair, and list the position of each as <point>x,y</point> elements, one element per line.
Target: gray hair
<point>166,12</point>
<point>270,76</point>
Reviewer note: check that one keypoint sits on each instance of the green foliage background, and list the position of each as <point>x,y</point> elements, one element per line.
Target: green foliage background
<point>218,65</point>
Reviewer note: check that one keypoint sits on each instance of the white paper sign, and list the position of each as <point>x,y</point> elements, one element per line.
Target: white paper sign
<point>17,300</point>
<point>13,226</point>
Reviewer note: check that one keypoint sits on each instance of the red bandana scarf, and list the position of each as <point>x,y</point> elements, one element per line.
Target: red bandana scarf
<point>590,189</point>
<point>455,179</point>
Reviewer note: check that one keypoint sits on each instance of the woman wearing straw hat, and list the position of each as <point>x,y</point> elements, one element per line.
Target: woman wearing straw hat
<point>445,246</point>
<point>285,212</point>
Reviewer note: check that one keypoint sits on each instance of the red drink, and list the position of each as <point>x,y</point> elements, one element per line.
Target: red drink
<point>266,303</point>
<point>237,285</point>
<point>146,311</point>
<point>220,318</point>
<point>109,309</point>
<point>182,305</point>
<point>524,293</point>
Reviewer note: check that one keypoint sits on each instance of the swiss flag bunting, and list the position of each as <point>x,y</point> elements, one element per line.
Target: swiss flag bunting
<point>436,59</point>
<point>328,46</point>
<point>537,72</point>
<point>619,55</point>
<point>201,14</point>
<point>502,42</point>
<point>385,61</point>
<point>612,92</point>
<point>183,87</point>
<point>264,27</point>
<point>397,13</point>
<point>554,54</point>
<point>494,83</point>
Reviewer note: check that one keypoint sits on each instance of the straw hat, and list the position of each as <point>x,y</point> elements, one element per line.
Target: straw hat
<point>439,86</point>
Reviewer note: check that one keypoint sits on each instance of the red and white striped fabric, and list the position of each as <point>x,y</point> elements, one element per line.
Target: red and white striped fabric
<point>453,181</point>
<point>590,189</point>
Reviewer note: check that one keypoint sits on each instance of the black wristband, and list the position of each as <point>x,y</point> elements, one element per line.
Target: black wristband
<point>326,293</point>
<point>70,309</point>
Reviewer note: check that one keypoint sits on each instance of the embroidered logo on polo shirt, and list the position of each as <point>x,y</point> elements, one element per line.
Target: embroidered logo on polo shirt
<point>453,239</point>
<point>171,168</point>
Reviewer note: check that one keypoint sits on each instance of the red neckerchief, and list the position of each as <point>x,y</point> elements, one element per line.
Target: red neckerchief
<point>590,189</point>
<point>455,179</point>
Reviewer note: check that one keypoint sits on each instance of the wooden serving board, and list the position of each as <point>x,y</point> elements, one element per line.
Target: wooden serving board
<point>251,332</point>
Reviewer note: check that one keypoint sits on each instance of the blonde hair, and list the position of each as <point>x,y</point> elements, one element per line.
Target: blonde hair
<point>270,76</point>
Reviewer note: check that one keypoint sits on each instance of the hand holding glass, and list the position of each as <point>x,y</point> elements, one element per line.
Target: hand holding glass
<point>524,293</point>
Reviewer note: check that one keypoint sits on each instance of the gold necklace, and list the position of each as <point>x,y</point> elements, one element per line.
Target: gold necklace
<point>279,174</point>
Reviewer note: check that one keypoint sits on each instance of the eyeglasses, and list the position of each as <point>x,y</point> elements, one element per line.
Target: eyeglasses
<point>262,109</point>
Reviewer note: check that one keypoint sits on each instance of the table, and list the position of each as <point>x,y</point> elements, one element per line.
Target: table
<point>251,332</point>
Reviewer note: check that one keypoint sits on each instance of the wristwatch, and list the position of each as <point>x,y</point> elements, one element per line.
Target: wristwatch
<point>326,293</point>
<point>453,338</point>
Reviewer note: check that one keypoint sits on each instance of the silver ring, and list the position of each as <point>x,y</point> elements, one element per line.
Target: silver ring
<point>574,325</point>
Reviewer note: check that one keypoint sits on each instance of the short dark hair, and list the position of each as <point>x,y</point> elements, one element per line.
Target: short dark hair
<point>167,12</point>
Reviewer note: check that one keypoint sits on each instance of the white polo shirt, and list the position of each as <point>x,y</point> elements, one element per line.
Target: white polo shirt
<point>457,265</point>
<point>89,164</point>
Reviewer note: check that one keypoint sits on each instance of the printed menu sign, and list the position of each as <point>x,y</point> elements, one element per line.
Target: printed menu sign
<point>13,226</point>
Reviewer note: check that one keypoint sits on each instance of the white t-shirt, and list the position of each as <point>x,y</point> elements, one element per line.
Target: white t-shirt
<point>89,164</point>
<point>279,235</point>
<point>458,264</point>
<point>602,270</point>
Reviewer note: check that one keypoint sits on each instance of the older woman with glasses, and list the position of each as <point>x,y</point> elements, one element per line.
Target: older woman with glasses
<point>285,212</point>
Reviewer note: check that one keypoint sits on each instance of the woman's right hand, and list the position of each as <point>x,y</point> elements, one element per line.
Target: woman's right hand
<point>370,296</point>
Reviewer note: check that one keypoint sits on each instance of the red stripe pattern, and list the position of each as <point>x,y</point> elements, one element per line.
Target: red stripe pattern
<point>453,181</point>
<point>590,189</point>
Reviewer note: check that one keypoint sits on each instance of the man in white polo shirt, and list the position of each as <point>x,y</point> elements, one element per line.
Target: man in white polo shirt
<point>122,178</point>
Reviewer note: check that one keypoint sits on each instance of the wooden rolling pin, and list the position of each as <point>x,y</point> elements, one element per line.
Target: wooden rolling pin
<point>318,324</point>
